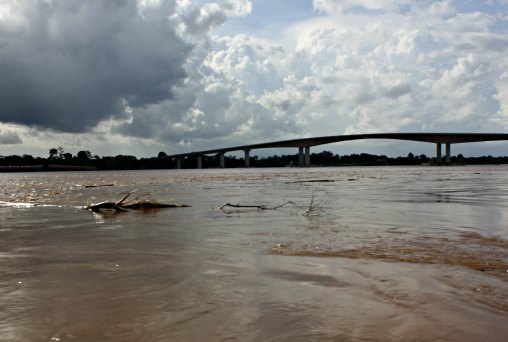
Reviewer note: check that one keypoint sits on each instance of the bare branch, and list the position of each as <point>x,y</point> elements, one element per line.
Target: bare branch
<point>125,197</point>
<point>261,207</point>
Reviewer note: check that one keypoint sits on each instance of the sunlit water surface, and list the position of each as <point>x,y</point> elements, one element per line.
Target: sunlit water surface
<point>385,253</point>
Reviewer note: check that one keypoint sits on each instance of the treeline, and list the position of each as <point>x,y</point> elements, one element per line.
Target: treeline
<point>84,160</point>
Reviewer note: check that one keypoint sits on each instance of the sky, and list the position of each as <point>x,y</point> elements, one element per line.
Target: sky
<point>138,77</point>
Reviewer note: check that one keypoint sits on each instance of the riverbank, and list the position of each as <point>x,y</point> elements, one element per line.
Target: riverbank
<point>44,168</point>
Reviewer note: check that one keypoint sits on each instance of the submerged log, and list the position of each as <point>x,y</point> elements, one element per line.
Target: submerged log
<point>152,205</point>
<point>105,205</point>
<point>98,186</point>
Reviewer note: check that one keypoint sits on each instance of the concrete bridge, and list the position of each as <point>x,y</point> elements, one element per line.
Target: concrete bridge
<point>305,144</point>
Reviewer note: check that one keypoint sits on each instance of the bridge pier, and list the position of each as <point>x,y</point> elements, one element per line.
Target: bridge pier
<point>221,160</point>
<point>200,161</point>
<point>247,157</point>
<point>448,156</point>
<point>307,155</point>
<point>303,156</point>
<point>300,156</point>
<point>438,153</point>
<point>178,163</point>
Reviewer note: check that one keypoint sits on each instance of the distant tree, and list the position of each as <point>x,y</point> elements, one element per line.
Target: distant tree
<point>27,158</point>
<point>84,155</point>
<point>67,156</point>
<point>61,152</point>
<point>162,154</point>
<point>125,162</point>
<point>53,153</point>
<point>13,160</point>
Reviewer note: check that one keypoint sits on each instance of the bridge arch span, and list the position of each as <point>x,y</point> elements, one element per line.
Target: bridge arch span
<point>304,144</point>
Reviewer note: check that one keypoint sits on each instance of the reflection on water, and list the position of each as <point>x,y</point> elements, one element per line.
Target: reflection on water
<point>416,253</point>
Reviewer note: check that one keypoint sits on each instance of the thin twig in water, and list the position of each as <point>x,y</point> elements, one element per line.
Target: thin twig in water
<point>313,209</point>
<point>279,206</point>
<point>261,207</point>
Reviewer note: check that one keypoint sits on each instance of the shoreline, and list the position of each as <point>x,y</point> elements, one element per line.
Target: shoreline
<point>45,168</point>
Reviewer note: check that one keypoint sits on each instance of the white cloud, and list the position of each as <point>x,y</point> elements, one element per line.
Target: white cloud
<point>197,21</point>
<point>357,66</point>
<point>341,6</point>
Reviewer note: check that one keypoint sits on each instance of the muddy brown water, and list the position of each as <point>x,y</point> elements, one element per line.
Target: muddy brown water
<point>387,253</point>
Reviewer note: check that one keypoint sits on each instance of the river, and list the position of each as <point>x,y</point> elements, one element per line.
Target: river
<point>361,253</point>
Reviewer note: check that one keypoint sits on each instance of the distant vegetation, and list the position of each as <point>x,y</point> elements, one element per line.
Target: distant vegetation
<point>58,159</point>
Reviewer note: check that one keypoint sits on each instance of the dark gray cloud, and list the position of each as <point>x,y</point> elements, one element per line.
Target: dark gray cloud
<point>9,138</point>
<point>68,64</point>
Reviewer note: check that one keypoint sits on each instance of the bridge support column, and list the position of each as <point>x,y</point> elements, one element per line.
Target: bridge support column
<point>307,155</point>
<point>200,161</point>
<point>448,155</point>
<point>300,157</point>
<point>247,158</point>
<point>438,153</point>
<point>178,163</point>
<point>221,160</point>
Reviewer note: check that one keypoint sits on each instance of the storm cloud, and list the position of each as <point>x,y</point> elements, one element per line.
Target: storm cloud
<point>68,64</point>
<point>179,75</point>
<point>9,138</point>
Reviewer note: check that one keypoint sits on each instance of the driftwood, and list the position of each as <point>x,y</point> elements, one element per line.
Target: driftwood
<point>105,205</point>
<point>152,205</point>
<point>261,207</point>
<point>124,205</point>
<point>313,209</point>
<point>312,181</point>
<point>98,186</point>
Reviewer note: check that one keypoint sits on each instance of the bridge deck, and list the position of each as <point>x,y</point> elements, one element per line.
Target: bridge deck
<point>438,138</point>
